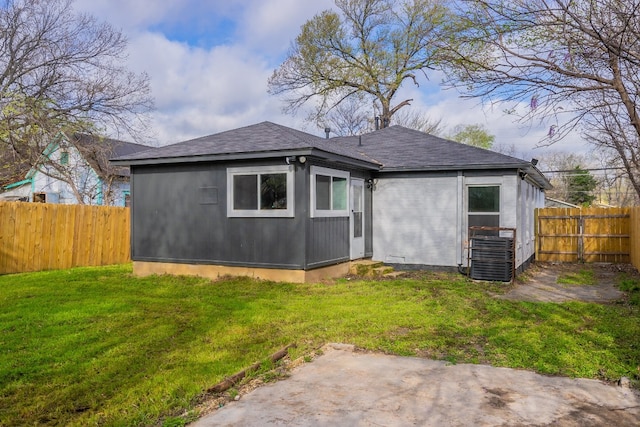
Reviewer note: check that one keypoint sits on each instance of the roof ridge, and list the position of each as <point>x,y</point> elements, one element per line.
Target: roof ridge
<point>294,132</point>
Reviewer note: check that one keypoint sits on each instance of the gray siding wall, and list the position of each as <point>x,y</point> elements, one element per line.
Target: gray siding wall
<point>328,241</point>
<point>179,214</point>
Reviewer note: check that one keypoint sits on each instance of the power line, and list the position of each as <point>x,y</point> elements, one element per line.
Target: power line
<point>588,169</point>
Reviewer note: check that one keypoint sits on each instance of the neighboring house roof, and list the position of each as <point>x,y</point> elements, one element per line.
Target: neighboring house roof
<point>97,151</point>
<point>550,202</point>
<point>12,168</point>
<point>390,149</point>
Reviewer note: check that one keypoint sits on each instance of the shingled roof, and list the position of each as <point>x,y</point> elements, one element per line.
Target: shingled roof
<point>97,151</point>
<point>264,139</point>
<point>390,149</point>
<point>400,148</point>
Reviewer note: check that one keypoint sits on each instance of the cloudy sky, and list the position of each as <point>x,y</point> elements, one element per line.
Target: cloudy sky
<point>209,61</point>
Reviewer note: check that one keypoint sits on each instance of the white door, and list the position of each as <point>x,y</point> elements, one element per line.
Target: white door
<point>356,226</point>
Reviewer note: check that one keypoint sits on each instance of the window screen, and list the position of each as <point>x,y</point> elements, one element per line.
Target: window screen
<point>331,193</point>
<point>245,192</point>
<point>339,191</point>
<point>323,192</point>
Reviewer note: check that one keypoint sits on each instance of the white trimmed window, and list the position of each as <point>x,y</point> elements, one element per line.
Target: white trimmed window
<point>260,191</point>
<point>329,192</point>
<point>483,207</point>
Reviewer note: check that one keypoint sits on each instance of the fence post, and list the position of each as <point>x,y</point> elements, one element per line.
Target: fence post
<point>580,238</point>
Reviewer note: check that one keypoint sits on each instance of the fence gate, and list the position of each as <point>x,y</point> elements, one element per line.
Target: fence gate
<point>583,235</point>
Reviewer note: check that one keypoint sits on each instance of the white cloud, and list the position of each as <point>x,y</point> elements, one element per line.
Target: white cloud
<point>271,26</point>
<point>130,16</point>
<point>528,138</point>
<point>202,89</point>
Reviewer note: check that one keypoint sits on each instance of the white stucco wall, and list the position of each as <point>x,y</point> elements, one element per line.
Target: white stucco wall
<point>423,220</point>
<point>531,197</point>
<point>414,220</point>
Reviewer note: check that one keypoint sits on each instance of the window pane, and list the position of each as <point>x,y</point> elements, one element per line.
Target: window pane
<point>484,199</point>
<point>339,194</point>
<point>245,192</point>
<point>485,221</point>
<point>323,191</point>
<point>273,191</point>
<point>357,224</point>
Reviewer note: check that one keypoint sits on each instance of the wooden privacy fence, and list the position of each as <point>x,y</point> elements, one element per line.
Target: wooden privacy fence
<point>43,236</point>
<point>584,235</point>
<point>635,237</point>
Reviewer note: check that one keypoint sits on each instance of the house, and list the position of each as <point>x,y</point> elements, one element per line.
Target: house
<point>550,202</point>
<point>273,202</point>
<point>73,169</point>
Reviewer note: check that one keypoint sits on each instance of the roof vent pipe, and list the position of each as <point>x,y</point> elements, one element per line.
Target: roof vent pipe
<point>377,122</point>
<point>327,130</point>
<point>360,140</point>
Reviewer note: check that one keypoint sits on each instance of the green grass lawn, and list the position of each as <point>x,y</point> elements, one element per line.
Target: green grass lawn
<point>585,276</point>
<point>99,346</point>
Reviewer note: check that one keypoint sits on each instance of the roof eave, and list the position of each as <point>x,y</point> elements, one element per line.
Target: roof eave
<point>257,155</point>
<point>534,174</point>
<point>17,184</point>
<point>433,168</point>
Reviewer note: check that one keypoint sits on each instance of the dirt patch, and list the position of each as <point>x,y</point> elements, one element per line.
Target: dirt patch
<point>540,283</point>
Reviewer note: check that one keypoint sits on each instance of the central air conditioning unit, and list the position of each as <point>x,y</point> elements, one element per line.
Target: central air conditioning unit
<point>492,258</point>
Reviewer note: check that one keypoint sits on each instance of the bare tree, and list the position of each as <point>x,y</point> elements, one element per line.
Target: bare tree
<point>367,50</point>
<point>60,70</point>
<point>418,120</point>
<point>350,117</point>
<point>575,63</point>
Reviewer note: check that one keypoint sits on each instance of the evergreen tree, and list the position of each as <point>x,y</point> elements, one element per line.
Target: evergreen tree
<point>581,186</point>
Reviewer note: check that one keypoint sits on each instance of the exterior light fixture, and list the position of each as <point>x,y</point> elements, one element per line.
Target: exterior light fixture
<point>293,159</point>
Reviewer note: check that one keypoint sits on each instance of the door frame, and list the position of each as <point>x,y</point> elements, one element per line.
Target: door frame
<point>356,244</point>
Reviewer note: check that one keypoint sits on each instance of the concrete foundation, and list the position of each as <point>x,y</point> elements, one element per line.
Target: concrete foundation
<point>145,268</point>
